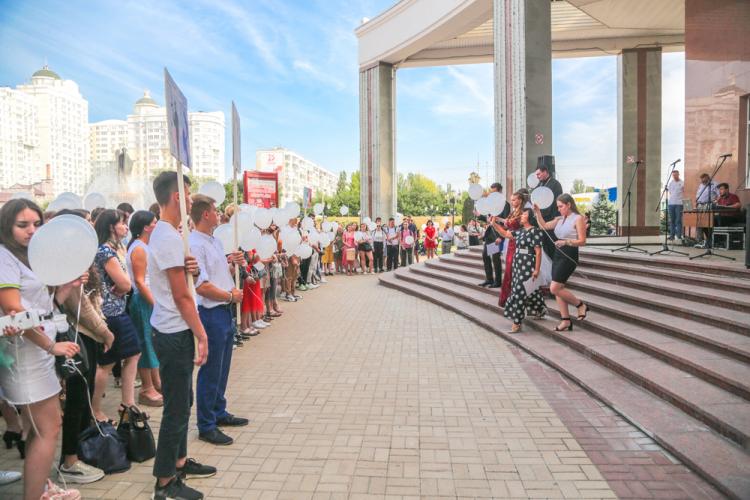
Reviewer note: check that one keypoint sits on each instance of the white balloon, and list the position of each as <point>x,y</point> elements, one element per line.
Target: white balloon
<point>344,210</point>
<point>475,191</point>
<point>22,196</point>
<point>318,208</point>
<point>398,219</point>
<point>304,251</point>
<point>214,190</point>
<point>482,206</point>
<point>409,240</point>
<point>267,246</point>
<point>244,220</point>
<point>94,200</point>
<point>263,218</point>
<point>68,201</point>
<point>334,226</point>
<point>292,209</point>
<point>445,220</point>
<point>532,181</point>
<point>250,239</point>
<point>495,203</point>
<point>325,240</point>
<point>367,220</point>
<point>542,196</point>
<point>290,240</point>
<point>326,226</point>
<point>424,226</point>
<point>308,224</point>
<point>225,234</point>
<point>371,226</point>
<point>358,235</point>
<point>279,217</point>
<point>313,237</point>
<point>62,250</point>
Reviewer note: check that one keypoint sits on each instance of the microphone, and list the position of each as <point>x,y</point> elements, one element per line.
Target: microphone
<point>728,155</point>
<point>678,160</point>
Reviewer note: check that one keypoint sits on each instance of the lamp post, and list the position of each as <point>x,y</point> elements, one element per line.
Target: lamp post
<point>453,211</point>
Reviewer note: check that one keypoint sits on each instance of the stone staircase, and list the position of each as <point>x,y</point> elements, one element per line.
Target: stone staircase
<point>666,344</point>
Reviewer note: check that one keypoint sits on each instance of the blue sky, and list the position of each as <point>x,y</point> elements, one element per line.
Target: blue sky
<point>291,67</point>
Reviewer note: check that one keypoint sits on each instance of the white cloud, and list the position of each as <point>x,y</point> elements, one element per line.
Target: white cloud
<point>318,74</point>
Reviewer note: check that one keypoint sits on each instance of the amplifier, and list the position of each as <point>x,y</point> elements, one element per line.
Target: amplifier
<point>729,238</point>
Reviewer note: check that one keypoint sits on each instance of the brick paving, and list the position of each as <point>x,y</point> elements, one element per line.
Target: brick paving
<point>359,391</point>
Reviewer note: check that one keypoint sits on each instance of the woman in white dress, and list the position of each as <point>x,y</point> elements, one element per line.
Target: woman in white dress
<point>31,382</point>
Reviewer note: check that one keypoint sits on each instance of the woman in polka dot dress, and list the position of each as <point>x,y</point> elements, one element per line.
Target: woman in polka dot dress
<point>527,261</point>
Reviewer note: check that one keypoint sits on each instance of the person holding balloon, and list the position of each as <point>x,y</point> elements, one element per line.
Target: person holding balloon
<point>406,244</point>
<point>175,324</point>
<point>364,248</point>
<point>216,296</point>
<point>31,382</point>
<point>570,230</point>
<point>115,285</point>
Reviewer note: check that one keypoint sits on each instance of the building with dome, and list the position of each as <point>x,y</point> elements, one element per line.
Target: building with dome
<point>44,133</point>
<point>144,137</point>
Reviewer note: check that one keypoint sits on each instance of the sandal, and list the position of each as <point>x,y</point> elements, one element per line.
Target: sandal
<point>516,328</point>
<point>569,328</point>
<point>585,311</point>
<point>149,401</point>
<point>275,314</point>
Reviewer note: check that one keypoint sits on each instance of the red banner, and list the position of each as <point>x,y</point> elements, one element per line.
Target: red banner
<point>261,189</point>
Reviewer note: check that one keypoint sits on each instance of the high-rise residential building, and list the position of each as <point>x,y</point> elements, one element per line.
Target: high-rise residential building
<point>61,130</point>
<point>19,144</point>
<point>144,138</point>
<point>295,174</point>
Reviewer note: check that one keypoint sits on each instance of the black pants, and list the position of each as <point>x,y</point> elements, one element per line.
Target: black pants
<point>175,352</point>
<point>377,255</point>
<point>407,256</point>
<point>77,415</point>
<point>392,257</point>
<point>473,240</point>
<point>304,267</point>
<point>492,262</point>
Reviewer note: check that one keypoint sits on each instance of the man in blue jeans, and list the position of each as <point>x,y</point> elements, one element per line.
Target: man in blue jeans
<point>217,296</point>
<point>676,191</point>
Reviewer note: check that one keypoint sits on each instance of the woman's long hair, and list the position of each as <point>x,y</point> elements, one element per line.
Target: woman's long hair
<point>568,200</point>
<point>8,215</point>
<point>105,223</point>
<point>138,222</point>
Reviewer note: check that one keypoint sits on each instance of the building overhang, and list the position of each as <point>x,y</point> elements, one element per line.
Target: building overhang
<point>445,32</point>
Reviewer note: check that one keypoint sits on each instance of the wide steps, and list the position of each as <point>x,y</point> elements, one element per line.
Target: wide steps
<point>718,459</point>
<point>719,369</point>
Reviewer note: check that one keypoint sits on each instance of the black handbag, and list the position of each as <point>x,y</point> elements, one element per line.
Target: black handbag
<point>105,450</point>
<point>136,433</point>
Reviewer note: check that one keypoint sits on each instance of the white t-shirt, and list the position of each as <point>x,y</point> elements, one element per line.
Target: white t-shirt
<point>676,192</point>
<point>165,252</point>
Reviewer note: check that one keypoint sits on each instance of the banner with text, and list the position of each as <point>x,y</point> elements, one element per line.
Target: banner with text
<point>261,189</point>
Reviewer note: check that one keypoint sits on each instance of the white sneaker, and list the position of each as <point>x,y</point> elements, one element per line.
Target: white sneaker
<point>313,286</point>
<point>9,476</point>
<point>323,280</point>
<point>266,323</point>
<point>260,324</point>
<point>80,473</point>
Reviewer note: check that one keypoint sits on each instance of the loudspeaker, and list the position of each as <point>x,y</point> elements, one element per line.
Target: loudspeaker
<point>547,161</point>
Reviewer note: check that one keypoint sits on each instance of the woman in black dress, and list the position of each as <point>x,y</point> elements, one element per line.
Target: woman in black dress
<point>570,230</point>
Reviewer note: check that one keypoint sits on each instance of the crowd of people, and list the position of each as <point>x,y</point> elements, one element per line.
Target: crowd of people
<point>141,324</point>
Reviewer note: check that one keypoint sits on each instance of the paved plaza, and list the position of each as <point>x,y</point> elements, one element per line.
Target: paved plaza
<point>359,391</point>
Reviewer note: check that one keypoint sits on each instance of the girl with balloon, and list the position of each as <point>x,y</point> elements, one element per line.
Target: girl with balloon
<point>31,382</point>
<point>111,229</point>
<point>406,244</point>
<point>570,230</point>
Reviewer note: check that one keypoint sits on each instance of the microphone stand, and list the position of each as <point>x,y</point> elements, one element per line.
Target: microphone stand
<point>665,247</point>
<point>628,247</point>
<point>709,251</point>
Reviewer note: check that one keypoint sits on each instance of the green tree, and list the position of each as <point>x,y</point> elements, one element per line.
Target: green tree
<point>418,195</point>
<point>580,187</point>
<point>603,214</point>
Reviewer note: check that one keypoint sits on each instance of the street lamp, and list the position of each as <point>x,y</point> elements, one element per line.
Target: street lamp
<point>453,211</point>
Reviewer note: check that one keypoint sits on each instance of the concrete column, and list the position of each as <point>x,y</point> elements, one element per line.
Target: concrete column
<point>523,88</point>
<point>377,126</point>
<point>639,138</point>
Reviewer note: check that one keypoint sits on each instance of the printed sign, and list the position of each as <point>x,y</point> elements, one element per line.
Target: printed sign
<point>177,121</point>
<point>261,189</point>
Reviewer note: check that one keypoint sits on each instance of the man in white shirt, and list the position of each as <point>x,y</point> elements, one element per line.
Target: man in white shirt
<point>217,297</point>
<point>676,192</point>
<point>175,322</point>
<point>705,193</point>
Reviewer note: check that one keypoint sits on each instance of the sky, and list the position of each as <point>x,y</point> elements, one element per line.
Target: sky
<point>291,68</point>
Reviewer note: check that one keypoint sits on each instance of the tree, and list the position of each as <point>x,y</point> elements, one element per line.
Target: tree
<point>580,187</point>
<point>603,215</point>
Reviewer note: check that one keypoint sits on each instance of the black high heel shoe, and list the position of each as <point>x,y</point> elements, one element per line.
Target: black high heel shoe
<point>564,329</point>
<point>585,311</point>
<point>11,437</point>
<point>21,445</point>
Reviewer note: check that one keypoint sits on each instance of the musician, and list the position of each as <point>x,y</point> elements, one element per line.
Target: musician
<point>704,196</point>
<point>729,206</point>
